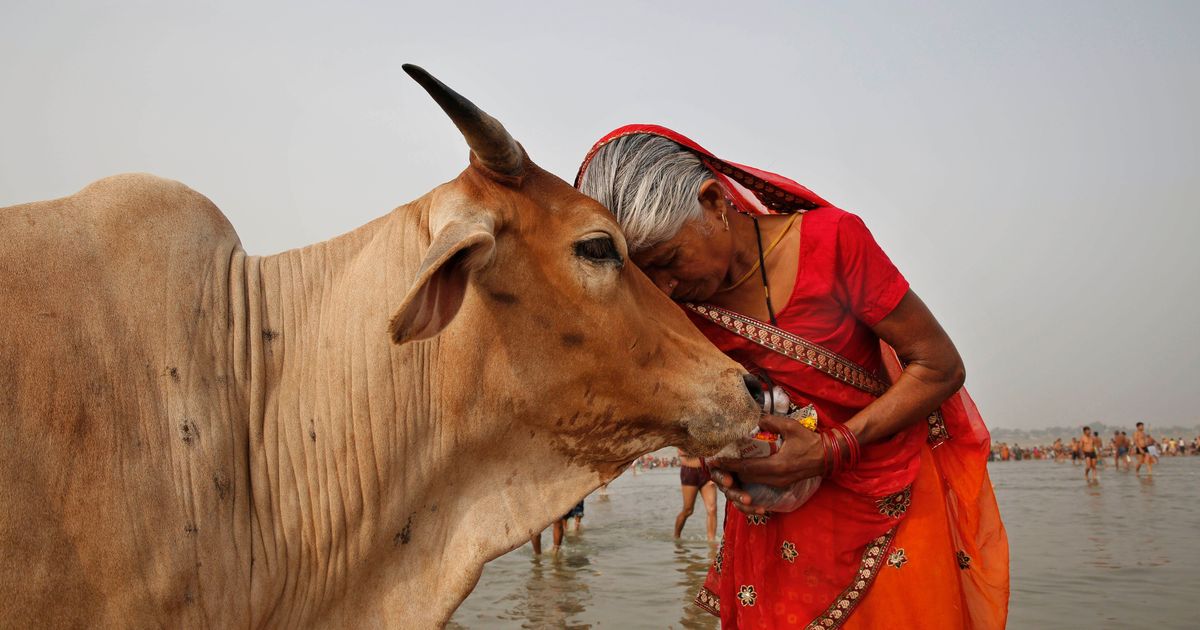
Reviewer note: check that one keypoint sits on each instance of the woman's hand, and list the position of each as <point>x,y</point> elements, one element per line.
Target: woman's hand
<point>733,492</point>
<point>801,456</point>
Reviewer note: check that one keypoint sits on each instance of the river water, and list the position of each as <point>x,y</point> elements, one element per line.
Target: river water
<point>1121,554</point>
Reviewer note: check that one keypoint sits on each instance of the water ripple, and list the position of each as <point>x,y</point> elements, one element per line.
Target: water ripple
<point>1120,554</point>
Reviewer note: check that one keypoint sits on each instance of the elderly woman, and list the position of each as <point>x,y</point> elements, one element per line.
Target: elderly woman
<point>904,530</point>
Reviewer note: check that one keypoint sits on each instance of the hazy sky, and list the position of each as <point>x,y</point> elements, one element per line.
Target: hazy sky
<point>1033,168</point>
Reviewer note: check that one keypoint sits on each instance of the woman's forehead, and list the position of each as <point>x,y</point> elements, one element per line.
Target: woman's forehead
<point>658,253</point>
<point>649,255</point>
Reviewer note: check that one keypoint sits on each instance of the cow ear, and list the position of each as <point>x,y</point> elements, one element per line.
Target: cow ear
<point>458,249</point>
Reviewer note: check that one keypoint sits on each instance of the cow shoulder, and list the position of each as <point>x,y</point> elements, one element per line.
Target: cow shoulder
<point>139,204</point>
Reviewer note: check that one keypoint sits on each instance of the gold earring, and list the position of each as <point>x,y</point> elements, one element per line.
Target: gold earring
<point>725,220</point>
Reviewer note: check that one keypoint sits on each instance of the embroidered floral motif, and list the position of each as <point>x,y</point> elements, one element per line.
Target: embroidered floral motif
<point>708,601</point>
<point>897,559</point>
<point>964,561</point>
<point>895,505</point>
<point>720,560</point>
<point>758,519</point>
<point>746,595</point>
<point>788,551</point>
<point>840,609</point>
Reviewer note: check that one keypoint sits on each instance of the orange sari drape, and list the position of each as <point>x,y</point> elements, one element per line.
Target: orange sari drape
<point>948,563</point>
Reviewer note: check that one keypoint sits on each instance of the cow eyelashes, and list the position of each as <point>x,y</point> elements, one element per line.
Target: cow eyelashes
<point>599,250</point>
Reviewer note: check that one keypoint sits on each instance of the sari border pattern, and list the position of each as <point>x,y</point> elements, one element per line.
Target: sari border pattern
<point>937,429</point>
<point>708,601</point>
<point>872,560</point>
<point>778,340</point>
<point>772,197</point>
<point>814,356</point>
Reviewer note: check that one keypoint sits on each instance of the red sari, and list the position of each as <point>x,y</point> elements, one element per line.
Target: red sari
<point>909,538</point>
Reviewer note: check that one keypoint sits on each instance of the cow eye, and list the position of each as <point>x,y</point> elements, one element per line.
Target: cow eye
<point>600,250</point>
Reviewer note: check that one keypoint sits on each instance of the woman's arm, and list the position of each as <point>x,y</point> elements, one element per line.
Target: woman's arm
<point>933,372</point>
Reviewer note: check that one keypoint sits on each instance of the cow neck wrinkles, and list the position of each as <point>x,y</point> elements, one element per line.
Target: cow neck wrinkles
<point>378,469</point>
<point>334,411</point>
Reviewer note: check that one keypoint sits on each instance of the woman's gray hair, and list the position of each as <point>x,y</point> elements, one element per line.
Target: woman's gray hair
<point>650,183</point>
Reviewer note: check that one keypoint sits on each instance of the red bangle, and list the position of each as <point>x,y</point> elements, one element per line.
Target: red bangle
<point>826,453</point>
<point>852,446</point>
<point>856,448</point>
<point>837,454</point>
<point>833,453</point>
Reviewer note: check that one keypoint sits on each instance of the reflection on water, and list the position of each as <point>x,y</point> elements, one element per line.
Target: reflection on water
<point>553,593</point>
<point>691,567</point>
<point>624,570</point>
<point>1118,554</point>
<point>1121,553</point>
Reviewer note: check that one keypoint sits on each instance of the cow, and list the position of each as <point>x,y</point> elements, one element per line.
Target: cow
<point>340,435</point>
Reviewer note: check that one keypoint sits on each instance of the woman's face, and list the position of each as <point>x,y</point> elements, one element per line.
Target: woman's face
<point>693,264</point>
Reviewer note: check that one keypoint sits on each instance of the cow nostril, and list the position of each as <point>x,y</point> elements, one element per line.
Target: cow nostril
<point>755,387</point>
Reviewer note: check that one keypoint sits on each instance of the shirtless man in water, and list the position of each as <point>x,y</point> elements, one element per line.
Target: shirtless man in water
<point>1090,446</point>
<point>1145,449</point>
<point>1120,445</point>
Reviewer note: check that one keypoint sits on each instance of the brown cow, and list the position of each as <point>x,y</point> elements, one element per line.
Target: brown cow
<point>339,435</point>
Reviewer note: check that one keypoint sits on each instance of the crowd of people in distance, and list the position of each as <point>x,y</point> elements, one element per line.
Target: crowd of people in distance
<point>651,462</point>
<point>1088,449</point>
<point>1091,450</point>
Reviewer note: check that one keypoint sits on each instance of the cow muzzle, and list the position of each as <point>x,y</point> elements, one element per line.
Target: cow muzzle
<point>732,412</point>
<point>756,387</point>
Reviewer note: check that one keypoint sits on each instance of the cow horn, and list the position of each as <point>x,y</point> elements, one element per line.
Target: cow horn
<point>489,141</point>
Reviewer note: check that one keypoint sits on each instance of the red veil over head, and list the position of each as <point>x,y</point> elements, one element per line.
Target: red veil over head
<point>752,190</point>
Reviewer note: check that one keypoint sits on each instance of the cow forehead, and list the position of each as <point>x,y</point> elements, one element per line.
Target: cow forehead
<point>551,194</point>
<point>540,200</point>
